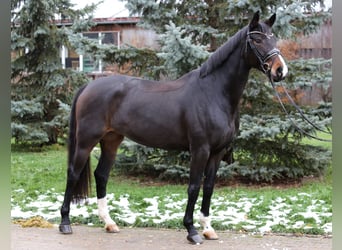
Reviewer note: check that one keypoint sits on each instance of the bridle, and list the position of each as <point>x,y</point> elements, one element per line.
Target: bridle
<point>262,58</point>
<point>266,68</point>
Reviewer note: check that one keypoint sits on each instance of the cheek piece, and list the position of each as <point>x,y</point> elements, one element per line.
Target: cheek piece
<point>266,67</point>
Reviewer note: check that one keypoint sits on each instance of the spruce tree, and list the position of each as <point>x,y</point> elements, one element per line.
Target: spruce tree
<point>41,87</point>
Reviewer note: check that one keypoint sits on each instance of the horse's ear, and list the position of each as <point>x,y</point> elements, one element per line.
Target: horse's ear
<point>271,20</point>
<point>255,20</point>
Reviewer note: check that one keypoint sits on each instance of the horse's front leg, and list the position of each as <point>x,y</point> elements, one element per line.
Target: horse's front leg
<point>198,162</point>
<point>208,188</point>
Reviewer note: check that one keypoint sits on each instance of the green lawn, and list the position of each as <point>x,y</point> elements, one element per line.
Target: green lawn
<point>324,136</point>
<point>302,208</point>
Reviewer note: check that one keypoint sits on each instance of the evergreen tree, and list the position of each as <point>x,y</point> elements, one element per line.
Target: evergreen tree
<point>41,88</point>
<point>209,23</point>
<point>178,54</point>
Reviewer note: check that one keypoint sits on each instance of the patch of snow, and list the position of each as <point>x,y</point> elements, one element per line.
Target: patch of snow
<point>222,210</point>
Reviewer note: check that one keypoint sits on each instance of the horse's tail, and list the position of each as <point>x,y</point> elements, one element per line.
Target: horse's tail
<point>82,186</point>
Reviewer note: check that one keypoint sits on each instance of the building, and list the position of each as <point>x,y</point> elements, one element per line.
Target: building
<point>124,30</point>
<point>318,44</point>
<point>117,31</point>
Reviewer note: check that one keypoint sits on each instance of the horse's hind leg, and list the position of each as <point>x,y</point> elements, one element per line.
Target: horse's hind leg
<point>109,145</point>
<point>78,172</point>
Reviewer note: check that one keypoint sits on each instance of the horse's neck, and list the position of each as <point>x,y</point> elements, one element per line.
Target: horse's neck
<point>235,73</point>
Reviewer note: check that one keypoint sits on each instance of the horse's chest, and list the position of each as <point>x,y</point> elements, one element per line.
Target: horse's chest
<point>222,132</point>
<point>227,135</point>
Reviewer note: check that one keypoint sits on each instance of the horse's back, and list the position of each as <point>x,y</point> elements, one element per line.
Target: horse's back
<point>113,82</point>
<point>142,110</point>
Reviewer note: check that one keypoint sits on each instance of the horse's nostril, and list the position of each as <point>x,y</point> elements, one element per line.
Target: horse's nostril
<point>280,72</point>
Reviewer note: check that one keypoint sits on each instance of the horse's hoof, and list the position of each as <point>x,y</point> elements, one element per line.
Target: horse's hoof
<point>195,239</point>
<point>210,235</point>
<point>65,229</point>
<point>113,228</point>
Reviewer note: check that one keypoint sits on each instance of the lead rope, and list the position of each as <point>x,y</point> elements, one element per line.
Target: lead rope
<point>301,113</point>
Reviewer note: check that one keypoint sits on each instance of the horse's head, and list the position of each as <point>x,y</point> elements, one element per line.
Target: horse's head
<point>262,51</point>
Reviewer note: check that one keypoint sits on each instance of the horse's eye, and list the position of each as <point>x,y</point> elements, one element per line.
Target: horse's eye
<point>257,41</point>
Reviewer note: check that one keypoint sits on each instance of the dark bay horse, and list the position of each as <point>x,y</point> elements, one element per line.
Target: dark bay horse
<point>198,112</point>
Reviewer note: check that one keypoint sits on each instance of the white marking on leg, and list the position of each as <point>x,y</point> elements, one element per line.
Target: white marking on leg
<point>208,231</point>
<point>205,222</point>
<point>110,225</point>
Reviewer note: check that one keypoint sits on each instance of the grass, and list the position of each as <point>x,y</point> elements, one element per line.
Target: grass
<point>38,171</point>
<point>40,177</point>
<point>314,142</point>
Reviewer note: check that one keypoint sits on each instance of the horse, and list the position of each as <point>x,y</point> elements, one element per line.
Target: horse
<point>198,112</point>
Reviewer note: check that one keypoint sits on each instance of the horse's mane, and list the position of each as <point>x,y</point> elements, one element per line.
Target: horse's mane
<point>222,53</point>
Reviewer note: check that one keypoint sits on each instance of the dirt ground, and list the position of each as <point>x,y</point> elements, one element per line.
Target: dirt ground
<point>93,238</point>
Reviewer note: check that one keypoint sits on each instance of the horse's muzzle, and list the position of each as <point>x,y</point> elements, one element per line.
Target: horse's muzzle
<point>278,76</point>
<point>279,69</point>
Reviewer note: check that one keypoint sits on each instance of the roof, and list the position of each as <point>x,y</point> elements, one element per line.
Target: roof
<point>109,20</point>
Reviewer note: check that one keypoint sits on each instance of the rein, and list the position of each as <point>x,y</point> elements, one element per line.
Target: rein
<point>267,70</point>
<point>300,112</point>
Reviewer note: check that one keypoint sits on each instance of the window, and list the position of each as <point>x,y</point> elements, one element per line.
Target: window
<point>87,63</point>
